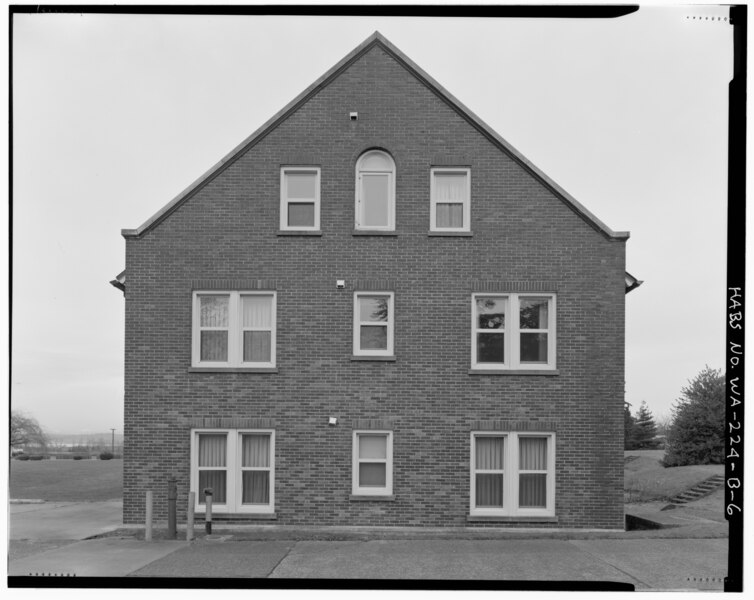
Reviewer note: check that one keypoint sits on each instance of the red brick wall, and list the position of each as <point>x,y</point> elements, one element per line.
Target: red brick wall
<point>521,232</point>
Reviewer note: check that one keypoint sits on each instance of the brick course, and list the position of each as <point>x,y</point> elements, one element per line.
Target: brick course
<point>524,238</point>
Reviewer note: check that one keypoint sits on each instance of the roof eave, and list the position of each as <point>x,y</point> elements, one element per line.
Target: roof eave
<point>632,283</point>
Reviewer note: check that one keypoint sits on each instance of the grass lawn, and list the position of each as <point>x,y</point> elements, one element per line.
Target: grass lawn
<point>645,479</point>
<point>66,480</point>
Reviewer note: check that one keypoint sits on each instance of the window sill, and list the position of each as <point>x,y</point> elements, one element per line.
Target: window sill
<point>301,232</point>
<point>509,519</point>
<point>450,234</point>
<point>360,498</point>
<point>514,372</point>
<point>374,232</point>
<point>357,357</point>
<point>233,370</point>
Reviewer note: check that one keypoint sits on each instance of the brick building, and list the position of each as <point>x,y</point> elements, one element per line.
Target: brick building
<point>375,311</point>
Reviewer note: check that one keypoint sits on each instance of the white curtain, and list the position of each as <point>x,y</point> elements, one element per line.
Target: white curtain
<point>212,450</point>
<point>214,311</point>
<point>255,452</point>
<point>490,455</point>
<point>257,311</point>
<point>532,487</point>
<point>450,187</point>
<point>450,193</point>
<point>212,453</point>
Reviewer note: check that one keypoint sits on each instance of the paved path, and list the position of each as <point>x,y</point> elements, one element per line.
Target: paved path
<point>104,557</point>
<point>644,563</point>
<point>64,520</point>
<point>53,536</point>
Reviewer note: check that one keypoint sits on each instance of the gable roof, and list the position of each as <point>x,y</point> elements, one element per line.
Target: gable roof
<point>377,39</point>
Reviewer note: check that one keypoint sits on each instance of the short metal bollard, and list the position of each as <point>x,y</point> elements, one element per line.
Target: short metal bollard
<point>190,517</point>
<point>172,498</point>
<point>148,525</point>
<point>208,509</point>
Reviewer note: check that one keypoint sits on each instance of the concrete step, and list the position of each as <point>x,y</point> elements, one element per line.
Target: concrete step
<point>700,490</point>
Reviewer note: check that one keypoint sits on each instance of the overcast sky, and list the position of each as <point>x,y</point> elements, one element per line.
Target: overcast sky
<point>115,115</point>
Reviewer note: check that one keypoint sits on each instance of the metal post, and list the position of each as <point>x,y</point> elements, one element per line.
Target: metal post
<point>112,442</point>
<point>208,509</point>
<point>148,529</point>
<point>190,517</point>
<point>172,498</point>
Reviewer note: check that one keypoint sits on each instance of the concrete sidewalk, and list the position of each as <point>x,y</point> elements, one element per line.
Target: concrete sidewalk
<point>104,557</point>
<point>644,563</point>
<point>64,520</point>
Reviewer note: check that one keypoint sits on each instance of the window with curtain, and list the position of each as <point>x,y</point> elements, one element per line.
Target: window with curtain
<point>513,331</point>
<point>234,329</point>
<point>373,324</point>
<point>239,467</point>
<point>375,191</point>
<point>212,466</point>
<point>512,474</point>
<point>449,199</point>
<point>299,198</point>
<point>373,463</point>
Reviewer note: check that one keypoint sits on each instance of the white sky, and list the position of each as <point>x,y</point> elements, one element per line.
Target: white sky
<point>114,115</point>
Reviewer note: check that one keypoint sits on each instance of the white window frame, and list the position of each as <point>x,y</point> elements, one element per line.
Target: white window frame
<point>357,323</point>
<point>512,332</point>
<point>235,330</point>
<point>433,200</point>
<point>234,470</point>
<point>511,474</point>
<point>390,174</point>
<point>357,490</point>
<point>285,201</point>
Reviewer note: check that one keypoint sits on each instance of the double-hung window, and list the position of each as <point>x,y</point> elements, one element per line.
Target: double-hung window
<point>512,474</point>
<point>513,331</point>
<point>375,192</point>
<point>450,190</point>
<point>372,463</point>
<point>373,323</point>
<point>299,198</point>
<point>233,329</point>
<point>238,465</point>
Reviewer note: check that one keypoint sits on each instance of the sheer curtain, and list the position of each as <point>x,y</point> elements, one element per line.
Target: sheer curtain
<point>214,313</point>
<point>255,453</point>
<point>257,315</point>
<point>489,457</point>
<point>450,192</point>
<point>212,453</point>
<point>532,487</point>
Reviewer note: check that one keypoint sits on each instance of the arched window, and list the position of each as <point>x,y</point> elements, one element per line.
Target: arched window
<point>375,191</point>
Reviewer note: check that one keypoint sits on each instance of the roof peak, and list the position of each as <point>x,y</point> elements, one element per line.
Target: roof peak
<point>378,38</point>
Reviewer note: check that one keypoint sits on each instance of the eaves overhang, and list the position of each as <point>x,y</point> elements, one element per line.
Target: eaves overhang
<point>377,39</point>
<point>631,282</point>
<point>120,281</point>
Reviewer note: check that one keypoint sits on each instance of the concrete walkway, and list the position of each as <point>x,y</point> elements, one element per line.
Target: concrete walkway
<point>644,563</point>
<point>64,520</point>
<point>53,536</point>
<point>104,557</point>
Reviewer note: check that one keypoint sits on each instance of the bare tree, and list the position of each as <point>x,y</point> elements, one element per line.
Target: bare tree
<point>25,430</point>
